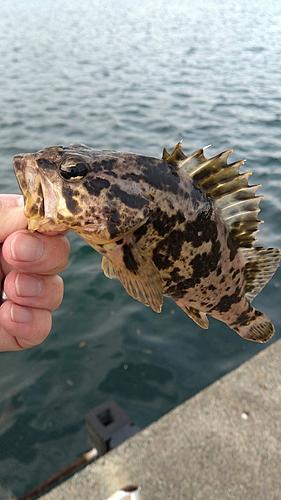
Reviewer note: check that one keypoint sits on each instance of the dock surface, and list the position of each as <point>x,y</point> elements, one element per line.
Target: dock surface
<point>222,444</point>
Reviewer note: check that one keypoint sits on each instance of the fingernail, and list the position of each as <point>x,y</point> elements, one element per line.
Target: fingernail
<point>26,248</point>
<point>20,314</point>
<point>27,286</point>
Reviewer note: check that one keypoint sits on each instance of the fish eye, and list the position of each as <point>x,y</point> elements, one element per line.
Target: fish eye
<point>73,169</point>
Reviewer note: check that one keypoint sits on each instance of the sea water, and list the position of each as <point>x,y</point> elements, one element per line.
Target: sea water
<point>133,77</point>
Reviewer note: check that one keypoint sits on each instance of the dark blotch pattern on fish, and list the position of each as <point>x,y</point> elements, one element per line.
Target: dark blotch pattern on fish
<point>201,230</point>
<point>203,264</point>
<point>232,247</point>
<point>133,201</point>
<point>129,259</point>
<point>170,245</point>
<point>108,167</point>
<point>71,203</point>
<point>111,215</point>
<point>95,185</point>
<point>45,164</point>
<point>181,286</point>
<point>161,178</point>
<point>140,232</point>
<point>130,176</point>
<point>103,166</point>
<point>243,317</point>
<point>163,223</point>
<point>226,301</point>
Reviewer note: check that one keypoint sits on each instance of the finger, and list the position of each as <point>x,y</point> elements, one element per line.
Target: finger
<point>36,253</point>
<point>11,214</point>
<point>31,290</point>
<point>22,327</point>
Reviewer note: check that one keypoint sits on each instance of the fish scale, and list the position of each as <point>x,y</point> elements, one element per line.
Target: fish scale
<point>181,226</point>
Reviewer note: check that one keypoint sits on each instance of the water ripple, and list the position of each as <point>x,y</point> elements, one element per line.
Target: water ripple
<point>138,79</point>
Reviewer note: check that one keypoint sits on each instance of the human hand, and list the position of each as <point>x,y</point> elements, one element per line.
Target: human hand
<point>29,264</point>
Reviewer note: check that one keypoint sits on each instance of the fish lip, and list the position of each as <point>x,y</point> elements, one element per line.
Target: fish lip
<point>17,158</point>
<point>29,180</point>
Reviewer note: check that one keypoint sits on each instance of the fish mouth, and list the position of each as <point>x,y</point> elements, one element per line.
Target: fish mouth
<point>29,181</point>
<point>40,199</point>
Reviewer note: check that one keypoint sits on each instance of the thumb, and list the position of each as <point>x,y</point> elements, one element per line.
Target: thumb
<point>12,217</point>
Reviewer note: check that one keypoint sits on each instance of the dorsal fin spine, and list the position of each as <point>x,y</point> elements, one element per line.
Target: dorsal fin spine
<point>228,188</point>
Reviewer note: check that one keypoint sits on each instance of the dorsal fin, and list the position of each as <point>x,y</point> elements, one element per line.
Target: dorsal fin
<point>226,186</point>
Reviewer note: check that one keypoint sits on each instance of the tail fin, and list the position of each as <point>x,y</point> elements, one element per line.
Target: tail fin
<point>257,328</point>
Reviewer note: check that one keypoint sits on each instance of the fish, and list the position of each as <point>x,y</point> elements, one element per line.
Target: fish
<point>181,226</point>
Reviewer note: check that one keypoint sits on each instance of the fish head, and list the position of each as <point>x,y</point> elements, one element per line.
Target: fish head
<point>81,189</point>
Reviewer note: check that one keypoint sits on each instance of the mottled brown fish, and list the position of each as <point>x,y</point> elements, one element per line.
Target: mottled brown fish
<point>181,227</point>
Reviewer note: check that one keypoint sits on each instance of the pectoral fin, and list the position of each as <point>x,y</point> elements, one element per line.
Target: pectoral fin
<point>108,268</point>
<point>140,278</point>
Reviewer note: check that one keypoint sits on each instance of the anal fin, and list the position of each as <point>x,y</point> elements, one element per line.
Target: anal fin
<point>198,317</point>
